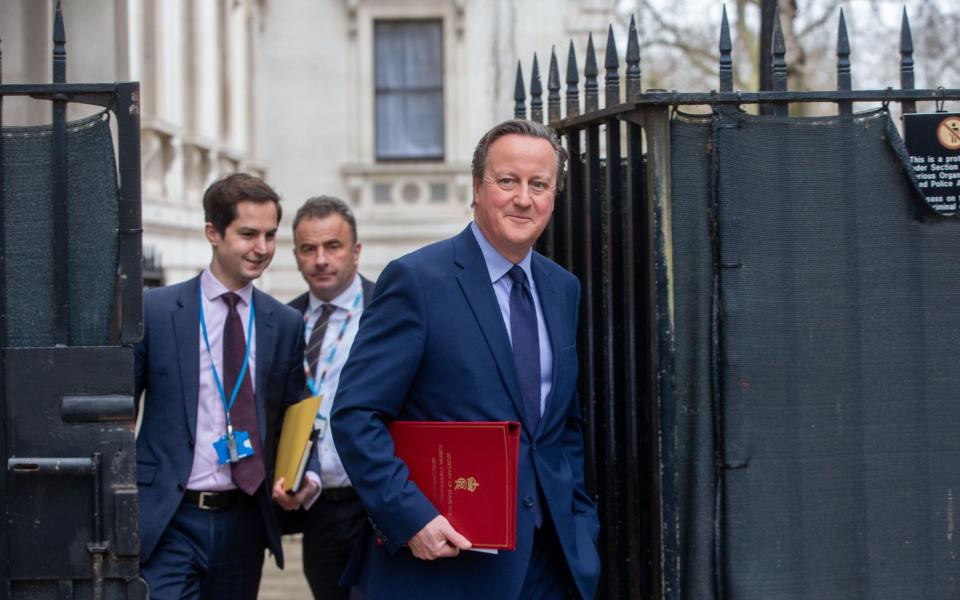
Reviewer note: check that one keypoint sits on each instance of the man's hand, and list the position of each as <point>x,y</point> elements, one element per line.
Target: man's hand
<point>438,539</point>
<point>293,501</point>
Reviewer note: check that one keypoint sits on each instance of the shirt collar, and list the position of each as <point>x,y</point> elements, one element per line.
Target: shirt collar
<point>497,264</point>
<point>213,289</point>
<point>343,301</point>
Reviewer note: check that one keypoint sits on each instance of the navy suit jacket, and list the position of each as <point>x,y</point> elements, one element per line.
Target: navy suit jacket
<point>433,345</point>
<point>167,367</point>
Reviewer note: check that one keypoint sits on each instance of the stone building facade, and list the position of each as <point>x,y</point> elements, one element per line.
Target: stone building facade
<point>376,101</point>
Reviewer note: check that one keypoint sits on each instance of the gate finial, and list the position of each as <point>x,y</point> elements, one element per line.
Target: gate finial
<point>611,63</point>
<point>573,78</point>
<point>536,93</point>
<point>633,62</point>
<point>519,96</point>
<point>906,62</point>
<point>553,88</point>
<point>779,64</point>
<point>59,47</point>
<point>844,82</point>
<point>591,91</point>
<point>726,55</point>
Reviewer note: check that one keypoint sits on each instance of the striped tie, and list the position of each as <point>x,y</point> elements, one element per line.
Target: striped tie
<point>316,338</point>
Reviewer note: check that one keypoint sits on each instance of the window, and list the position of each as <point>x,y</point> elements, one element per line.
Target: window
<point>408,59</point>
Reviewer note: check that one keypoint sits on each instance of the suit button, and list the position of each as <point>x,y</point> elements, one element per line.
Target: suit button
<point>180,487</point>
<point>528,502</point>
<point>190,443</point>
<point>533,446</point>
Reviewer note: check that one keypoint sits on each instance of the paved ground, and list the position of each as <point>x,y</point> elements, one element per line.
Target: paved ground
<point>289,583</point>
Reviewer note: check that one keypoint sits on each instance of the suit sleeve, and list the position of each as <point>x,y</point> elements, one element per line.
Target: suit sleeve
<point>140,360</point>
<point>583,505</point>
<point>374,384</point>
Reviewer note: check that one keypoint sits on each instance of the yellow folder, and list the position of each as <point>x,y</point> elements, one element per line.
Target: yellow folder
<point>296,442</point>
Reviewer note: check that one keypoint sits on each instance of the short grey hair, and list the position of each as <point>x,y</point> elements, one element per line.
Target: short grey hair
<point>518,127</point>
<point>321,207</point>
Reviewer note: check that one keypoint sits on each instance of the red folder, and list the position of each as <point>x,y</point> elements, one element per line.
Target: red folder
<point>468,470</point>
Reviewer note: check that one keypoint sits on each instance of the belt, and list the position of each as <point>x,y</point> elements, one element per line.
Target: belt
<point>340,494</point>
<point>212,500</point>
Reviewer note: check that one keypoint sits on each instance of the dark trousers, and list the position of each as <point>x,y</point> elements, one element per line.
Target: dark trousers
<point>331,530</point>
<point>208,554</point>
<point>548,577</point>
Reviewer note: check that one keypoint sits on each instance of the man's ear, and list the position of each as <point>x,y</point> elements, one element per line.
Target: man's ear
<point>213,236</point>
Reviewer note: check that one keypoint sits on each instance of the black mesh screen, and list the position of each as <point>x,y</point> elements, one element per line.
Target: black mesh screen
<point>689,444</point>
<point>28,234</point>
<point>836,365</point>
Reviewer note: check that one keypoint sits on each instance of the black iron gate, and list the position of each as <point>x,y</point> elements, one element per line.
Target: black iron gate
<point>698,353</point>
<point>70,310</point>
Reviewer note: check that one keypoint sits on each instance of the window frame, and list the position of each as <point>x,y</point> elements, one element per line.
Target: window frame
<point>440,90</point>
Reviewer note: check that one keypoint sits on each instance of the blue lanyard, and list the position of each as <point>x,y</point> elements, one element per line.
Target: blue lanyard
<point>314,384</point>
<point>243,370</point>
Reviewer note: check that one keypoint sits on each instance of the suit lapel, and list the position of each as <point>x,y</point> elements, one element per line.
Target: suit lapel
<point>301,302</point>
<point>368,287</point>
<point>553,311</point>
<point>266,327</point>
<point>474,280</point>
<point>186,331</point>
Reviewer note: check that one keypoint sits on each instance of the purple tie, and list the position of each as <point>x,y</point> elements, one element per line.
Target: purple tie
<point>248,473</point>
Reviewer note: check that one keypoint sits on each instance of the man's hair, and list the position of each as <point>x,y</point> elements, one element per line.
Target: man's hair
<point>518,127</point>
<point>221,198</point>
<point>321,207</point>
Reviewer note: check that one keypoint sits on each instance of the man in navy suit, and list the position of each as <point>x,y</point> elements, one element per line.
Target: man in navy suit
<point>475,328</point>
<point>219,363</point>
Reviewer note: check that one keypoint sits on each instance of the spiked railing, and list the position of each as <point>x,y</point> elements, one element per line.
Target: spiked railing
<point>607,224</point>
<point>553,88</point>
<point>633,63</point>
<point>843,65</point>
<point>726,55</point>
<point>590,88</point>
<point>536,93</point>
<point>519,95</point>
<point>778,98</point>
<point>906,62</point>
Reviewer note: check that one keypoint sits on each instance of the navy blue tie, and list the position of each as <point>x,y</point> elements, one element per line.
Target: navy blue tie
<point>526,344</point>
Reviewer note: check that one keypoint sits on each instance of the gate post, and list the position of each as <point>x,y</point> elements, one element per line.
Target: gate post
<point>657,278</point>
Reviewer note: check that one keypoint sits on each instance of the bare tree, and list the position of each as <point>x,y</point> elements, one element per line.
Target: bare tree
<point>679,41</point>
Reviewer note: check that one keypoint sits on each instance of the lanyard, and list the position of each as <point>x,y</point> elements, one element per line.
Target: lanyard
<point>315,384</point>
<point>243,369</point>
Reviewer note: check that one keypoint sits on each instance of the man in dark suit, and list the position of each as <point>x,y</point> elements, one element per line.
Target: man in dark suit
<point>328,253</point>
<point>219,362</point>
<point>475,328</point>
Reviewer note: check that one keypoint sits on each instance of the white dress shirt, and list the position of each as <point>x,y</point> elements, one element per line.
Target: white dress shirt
<point>206,474</point>
<point>332,474</point>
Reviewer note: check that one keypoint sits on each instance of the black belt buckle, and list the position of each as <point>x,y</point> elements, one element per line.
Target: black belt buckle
<point>211,500</point>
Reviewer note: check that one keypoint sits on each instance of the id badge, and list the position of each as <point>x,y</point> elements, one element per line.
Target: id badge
<point>320,426</point>
<point>231,449</point>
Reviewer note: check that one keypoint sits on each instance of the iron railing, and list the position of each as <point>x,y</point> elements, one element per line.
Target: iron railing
<point>609,225</point>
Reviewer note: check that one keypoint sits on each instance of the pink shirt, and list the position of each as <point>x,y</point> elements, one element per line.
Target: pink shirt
<point>206,475</point>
